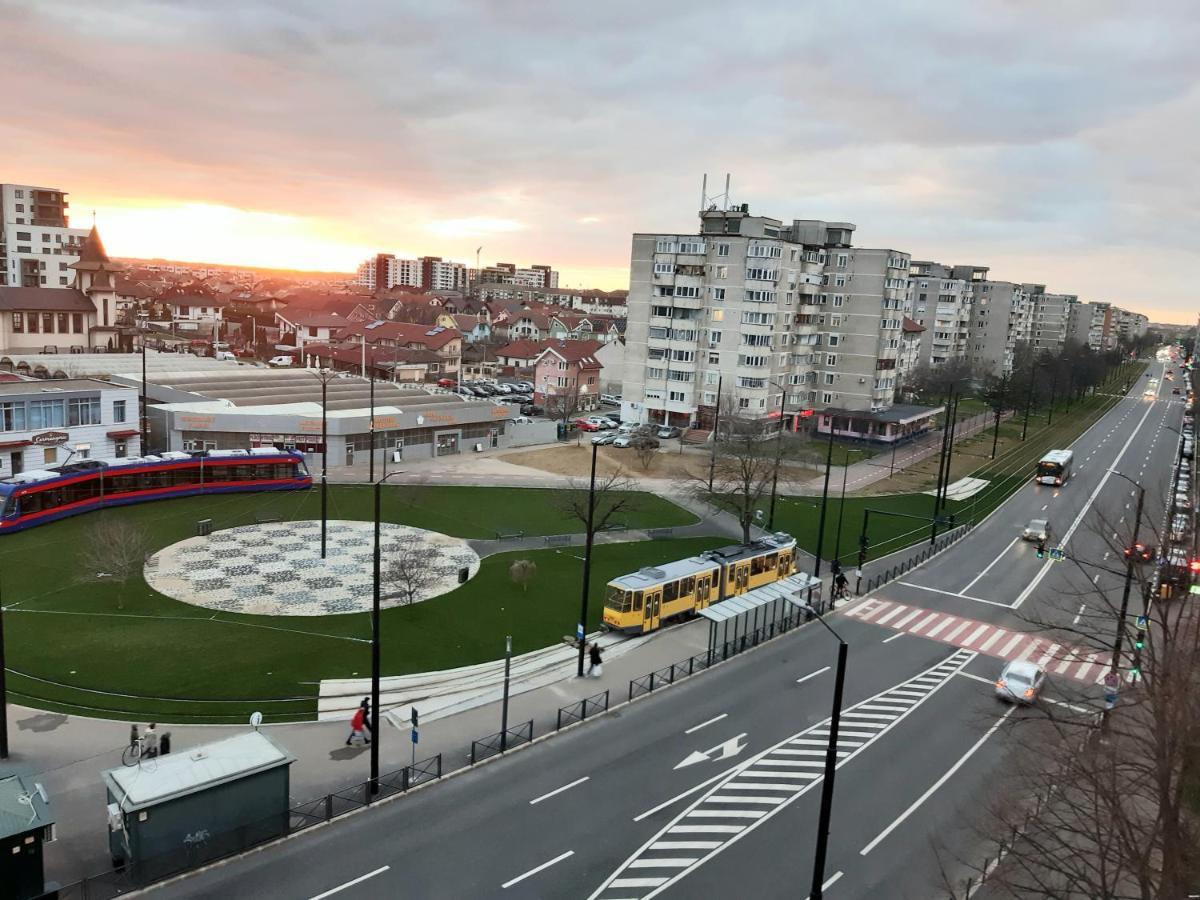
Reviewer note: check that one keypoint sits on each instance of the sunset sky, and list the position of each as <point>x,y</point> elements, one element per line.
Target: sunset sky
<point>1054,142</point>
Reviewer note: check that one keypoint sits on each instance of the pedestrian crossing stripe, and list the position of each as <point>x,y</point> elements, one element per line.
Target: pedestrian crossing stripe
<point>772,781</point>
<point>983,637</point>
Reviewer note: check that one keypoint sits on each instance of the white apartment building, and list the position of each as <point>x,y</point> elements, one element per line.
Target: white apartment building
<point>941,300</point>
<point>385,270</point>
<point>507,273</point>
<point>1091,324</point>
<point>37,244</point>
<point>1000,321</point>
<point>763,315</point>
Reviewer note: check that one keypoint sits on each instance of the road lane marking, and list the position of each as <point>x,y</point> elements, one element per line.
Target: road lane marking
<point>939,627</point>
<point>1082,607</point>
<point>891,614</point>
<point>976,678</point>
<point>925,587</point>
<point>709,722</point>
<point>975,635</point>
<point>544,865</point>
<point>813,674</point>
<point>565,787</point>
<point>937,784</point>
<point>988,568</point>
<point>1007,648</point>
<point>359,880</point>
<point>829,882</point>
<point>685,845</point>
<point>1042,572</point>
<point>898,634</point>
<point>767,769</point>
<point>687,793</point>
<point>1044,508</point>
<point>912,615</point>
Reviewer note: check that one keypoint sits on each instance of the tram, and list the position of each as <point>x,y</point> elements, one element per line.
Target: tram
<point>39,496</point>
<point>650,597</point>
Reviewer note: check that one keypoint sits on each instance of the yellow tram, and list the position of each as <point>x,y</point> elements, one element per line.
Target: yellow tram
<point>644,600</point>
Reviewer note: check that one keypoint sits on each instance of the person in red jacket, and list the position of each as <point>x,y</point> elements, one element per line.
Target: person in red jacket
<point>358,724</point>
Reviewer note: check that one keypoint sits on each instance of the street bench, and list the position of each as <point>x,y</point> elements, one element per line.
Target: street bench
<point>557,540</point>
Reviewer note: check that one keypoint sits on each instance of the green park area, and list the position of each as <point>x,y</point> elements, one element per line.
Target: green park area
<point>97,646</point>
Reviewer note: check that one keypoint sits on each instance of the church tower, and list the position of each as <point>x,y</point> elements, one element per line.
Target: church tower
<point>95,277</point>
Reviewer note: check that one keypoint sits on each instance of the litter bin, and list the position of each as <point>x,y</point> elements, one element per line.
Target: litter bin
<point>204,528</point>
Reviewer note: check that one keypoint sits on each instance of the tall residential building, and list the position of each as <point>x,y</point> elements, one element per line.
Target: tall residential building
<point>386,271</point>
<point>764,314</point>
<point>507,273</point>
<point>37,244</point>
<point>1091,324</point>
<point>1000,321</point>
<point>1130,325</point>
<point>1051,321</point>
<point>940,300</point>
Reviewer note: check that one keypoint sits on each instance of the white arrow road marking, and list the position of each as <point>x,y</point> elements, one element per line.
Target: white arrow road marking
<point>731,747</point>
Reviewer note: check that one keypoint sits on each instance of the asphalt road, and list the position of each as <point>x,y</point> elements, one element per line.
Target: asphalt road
<point>711,787</point>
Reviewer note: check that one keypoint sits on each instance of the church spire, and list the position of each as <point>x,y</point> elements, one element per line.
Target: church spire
<point>92,255</point>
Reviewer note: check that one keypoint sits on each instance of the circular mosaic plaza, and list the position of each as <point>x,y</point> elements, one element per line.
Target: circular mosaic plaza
<point>275,569</point>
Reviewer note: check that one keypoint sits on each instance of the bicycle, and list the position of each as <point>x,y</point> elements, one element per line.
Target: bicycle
<point>134,753</point>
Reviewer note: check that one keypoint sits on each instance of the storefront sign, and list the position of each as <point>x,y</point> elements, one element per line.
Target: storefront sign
<point>310,426</point>
<point>50,438</point>
<point>196,422</point>
<point>384,422</point>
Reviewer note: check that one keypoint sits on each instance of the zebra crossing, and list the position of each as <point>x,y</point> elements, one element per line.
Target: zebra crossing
<point>764,785</point>
<point>1055,657</point>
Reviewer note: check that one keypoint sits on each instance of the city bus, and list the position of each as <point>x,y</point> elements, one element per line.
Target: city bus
<point>1054,467</point>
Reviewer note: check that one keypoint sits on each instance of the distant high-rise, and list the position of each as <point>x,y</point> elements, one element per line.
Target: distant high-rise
<point>385,271</point>
<point>37,244</point>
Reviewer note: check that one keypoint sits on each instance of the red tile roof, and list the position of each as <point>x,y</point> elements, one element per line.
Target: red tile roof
<point>911,327</point>
<point>581,352</point>
<point>434,337</point>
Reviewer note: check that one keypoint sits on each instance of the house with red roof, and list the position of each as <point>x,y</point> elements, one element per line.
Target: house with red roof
<point>474,328</point>
<point>301,326</point>
<point>445,343</point>
<point>568,369</point>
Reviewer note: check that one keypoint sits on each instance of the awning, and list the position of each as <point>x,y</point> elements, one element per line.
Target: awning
<point>4,445</point>
<point>790,589</point>
<point>127,433</point>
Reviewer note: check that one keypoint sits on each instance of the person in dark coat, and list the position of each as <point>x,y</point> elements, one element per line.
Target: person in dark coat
<point>595,662</point>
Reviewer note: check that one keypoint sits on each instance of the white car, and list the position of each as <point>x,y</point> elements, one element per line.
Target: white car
<point>1020,682</point>
<point>279,362</point>
<point>601,422</point>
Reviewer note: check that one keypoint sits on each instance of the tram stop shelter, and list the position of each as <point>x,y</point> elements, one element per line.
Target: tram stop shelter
<point>25,824</point>
<point>758,615</point>
<point>180,810</point>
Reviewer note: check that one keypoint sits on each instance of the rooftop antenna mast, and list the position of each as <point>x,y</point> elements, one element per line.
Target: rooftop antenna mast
<point>716,201</point>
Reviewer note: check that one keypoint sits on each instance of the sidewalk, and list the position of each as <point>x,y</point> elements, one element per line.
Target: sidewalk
<point>67,754</point>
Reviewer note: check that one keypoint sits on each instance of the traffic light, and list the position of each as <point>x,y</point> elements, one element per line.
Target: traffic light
<point>1041,550</point>
<point>1194,566</point>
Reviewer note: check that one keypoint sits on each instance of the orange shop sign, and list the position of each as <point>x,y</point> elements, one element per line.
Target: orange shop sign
<point>197,422</point>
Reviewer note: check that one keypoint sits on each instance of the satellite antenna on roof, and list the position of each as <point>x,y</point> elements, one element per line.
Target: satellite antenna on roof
<point>716,201</point>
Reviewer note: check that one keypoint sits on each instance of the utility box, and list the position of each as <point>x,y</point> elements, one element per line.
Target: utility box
<point>179,811</point>
<point>25,824</point>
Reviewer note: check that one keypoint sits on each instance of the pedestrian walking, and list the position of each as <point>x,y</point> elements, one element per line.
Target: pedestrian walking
<point>596,664</point>
<point>357,725</point>
<point>150,741</point>
<point>366,708</point>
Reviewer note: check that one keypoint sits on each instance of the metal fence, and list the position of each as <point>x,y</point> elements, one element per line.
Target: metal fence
<point>581,709</point>
<point>202,847</point>
<point>501,741</point>
<point>893,572</point>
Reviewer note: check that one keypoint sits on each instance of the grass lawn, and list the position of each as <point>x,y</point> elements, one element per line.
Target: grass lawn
<point>76,645</point>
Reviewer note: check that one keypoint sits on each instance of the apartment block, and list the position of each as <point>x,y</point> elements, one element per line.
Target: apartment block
<point>536,276</point>
<point>1000,321</point>
<point>1051,320</point>
<point>940,300</point>
<point>766,315</point>
<point>1091,324</point>
<point>386,271</point>
<point>37,244</point>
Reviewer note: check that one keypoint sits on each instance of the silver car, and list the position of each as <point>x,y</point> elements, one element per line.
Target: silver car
<point>1037,530</point>
<point>1020,682</point>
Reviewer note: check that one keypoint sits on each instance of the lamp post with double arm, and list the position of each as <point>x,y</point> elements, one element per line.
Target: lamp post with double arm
<point>376,634</point>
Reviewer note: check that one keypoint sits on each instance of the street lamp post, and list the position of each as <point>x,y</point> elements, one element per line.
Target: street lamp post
<point>712,461</point>
<point>3,689</point>
<point>1029,400</point>
<point>837,535</point>
<point>324,464</point>
<point>943,467</point>
<point>999,409</point>
<point>1053,390</point>
<point>778,456</point>
<point>581,629</point>
<point>145,418</point>
<point>816,892</point>
<point>1129,566</point>
<point>375,637</point>
<point>824,501</point>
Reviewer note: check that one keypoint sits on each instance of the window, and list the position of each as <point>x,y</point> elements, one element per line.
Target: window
<point>714,359</point>
<point>664,311</point>
<point>62,279</point>
<point>709,398</point>
<point>118,410</point>
<point>63,320</point>
<point>743,403</point>
<point>664,290</point>
<point>761,274</point>
<point>722,250</point>
<point>33,323</point>
<point>83,411</point>
<point>682,334</point>
<point>843,260</point>
<point>12,416</point>
<point>664,268</point>
<point>756,340</point>
<point>829,377</point>
<point>676,396</point>
<point>24,236</point>
<point>47,414</point>
<point>758,318</point>
<point>686,291</point>
<point>753,361</point>
<point>45,238</point>
<point>657,331</point>
<point>47,322</point>
<point>831,359</point>
<point>838,299</point>
<point>717,293</point>
<point>120,449</point>
<point>672,375</point>
<point>77,323</point>
<point>834,340</point>
<point>664,247</point>
<point>839,281</point>
<point>721,271</point>
<point>683,355</point>
<point>653,372</point>
<point>18,322</point>
<point>692,246</point>
<point>827,398</point>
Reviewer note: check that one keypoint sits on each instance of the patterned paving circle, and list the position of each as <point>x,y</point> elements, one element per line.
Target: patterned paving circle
<point>276,569</point>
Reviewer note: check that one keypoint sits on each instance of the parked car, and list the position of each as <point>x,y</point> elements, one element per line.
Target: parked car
<point>1188,449</point>
<point>1183,502</point>
<point>1037,530</point>
<point>1175,391</point>
<point>604,439</point>
<point>585,425</point>
<point>479,391</point>
<point>446,382</point>
<point>1020,682</point>
<point>532,409</point>
<point>601,422</point>
<point>611,399</point>
<point>1180,526</point>
<point>1176,566</point>
<point>613,421</point>
<point>279,362</point>
<point>668,431</point>
<point>502,388</point>
<point>225,355</point>
<point>1140,551</point>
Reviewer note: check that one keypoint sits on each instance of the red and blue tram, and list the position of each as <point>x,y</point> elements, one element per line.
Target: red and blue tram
<point>36,497</point>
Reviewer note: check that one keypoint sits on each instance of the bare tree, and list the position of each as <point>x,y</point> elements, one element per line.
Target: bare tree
<point>614,493</point>
<point>745,462</point>
<point>113,549</point>
<point>522,571</point>
<point>646,449</point>
<point>410,569</point>
<point>1104,811</point>
<point>562,404</point>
